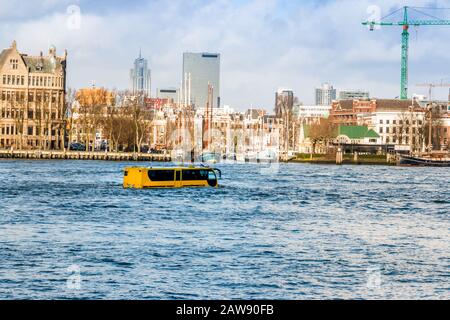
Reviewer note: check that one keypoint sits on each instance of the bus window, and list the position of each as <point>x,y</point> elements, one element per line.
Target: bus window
<point>178,176</point>
<point>161,175</point>
<point>195,175</point>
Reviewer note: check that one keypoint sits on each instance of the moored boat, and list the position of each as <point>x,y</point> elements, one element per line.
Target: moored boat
<point>210,157</point>
<point>425,161</point>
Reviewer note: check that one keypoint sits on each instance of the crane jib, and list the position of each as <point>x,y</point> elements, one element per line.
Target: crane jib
<point>405,23</point>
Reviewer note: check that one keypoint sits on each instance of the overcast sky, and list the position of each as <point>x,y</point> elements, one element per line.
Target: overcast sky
<point>265,44</point>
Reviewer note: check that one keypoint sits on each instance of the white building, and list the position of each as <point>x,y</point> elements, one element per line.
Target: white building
<point>168,93</point>
<point>399,127</point>
<point>311,114</point>
<point>354,94</point>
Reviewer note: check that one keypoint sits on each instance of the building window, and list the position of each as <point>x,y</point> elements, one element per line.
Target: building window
<point>14,64</point>
<point>381,121</point>
<point>381,129</point>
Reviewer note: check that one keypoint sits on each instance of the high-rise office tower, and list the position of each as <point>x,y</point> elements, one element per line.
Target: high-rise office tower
<point>325,95</point>
<point>201,71</point>
<point>140,76</point>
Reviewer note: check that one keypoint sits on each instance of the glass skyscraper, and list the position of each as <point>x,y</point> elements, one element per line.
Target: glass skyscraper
<point>140,77</point>
<point>204,70</point>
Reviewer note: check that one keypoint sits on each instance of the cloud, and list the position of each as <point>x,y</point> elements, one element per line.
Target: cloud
<point>264,44</point>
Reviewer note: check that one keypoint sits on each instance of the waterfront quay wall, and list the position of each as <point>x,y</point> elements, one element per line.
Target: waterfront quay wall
<point>83,155</point>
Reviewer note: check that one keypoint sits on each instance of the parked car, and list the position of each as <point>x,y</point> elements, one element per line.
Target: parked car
<point>103,146</point>
<point>145,149</point>
<point>156,151</point>
<point>76,146</point>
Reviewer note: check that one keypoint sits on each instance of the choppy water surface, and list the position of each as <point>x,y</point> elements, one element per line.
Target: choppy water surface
<point>306,232</point>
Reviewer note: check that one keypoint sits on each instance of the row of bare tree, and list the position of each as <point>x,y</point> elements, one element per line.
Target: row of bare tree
<point>38,119</point>
<point>416,130</point>
<point>120,117</point>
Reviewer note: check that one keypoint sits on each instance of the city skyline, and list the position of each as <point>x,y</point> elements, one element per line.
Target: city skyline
<point>220,159</point>
<point>264,45</point>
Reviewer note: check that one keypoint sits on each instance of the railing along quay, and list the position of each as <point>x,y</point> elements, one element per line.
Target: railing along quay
<point>83,155</point>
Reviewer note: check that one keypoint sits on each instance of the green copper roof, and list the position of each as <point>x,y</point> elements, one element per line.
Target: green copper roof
<point>357,132</point>
<point>372,134</point>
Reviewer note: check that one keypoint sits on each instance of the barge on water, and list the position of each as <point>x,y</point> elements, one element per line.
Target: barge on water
<point>176,177</point>
<point>425,161</point>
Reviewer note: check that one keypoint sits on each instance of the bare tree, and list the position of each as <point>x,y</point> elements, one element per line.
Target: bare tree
<point>93,103</point>
<point>322,133</point>
<point>66,126</point>
<point>284,108</point>
<point>402,128</point>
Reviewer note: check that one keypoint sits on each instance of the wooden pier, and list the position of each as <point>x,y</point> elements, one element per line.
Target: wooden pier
<point>83,155</point>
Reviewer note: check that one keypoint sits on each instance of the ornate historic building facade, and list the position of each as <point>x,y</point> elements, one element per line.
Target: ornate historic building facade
<point>32,106</point>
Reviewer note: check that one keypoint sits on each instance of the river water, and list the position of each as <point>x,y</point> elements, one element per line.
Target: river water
<point>69,231</point>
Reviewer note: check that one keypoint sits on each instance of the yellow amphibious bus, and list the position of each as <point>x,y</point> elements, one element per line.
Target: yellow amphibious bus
<point>177,177</point>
